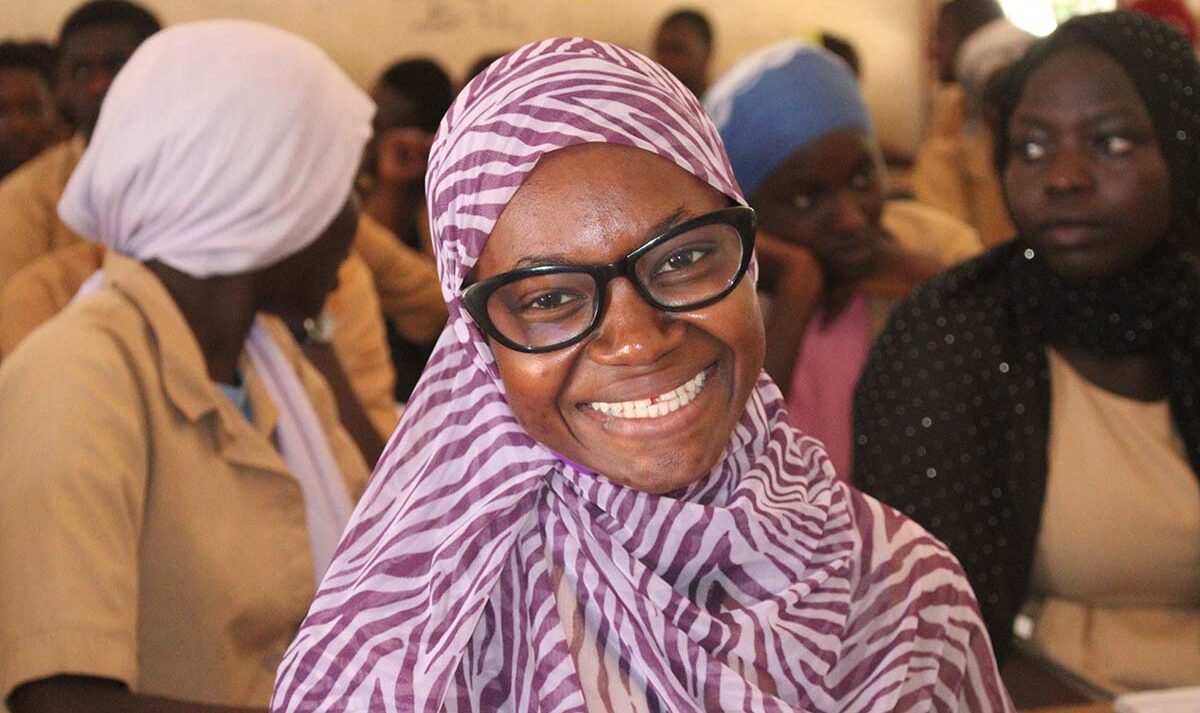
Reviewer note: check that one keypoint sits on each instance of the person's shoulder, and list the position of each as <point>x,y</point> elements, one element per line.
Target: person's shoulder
<point>46,173</point>
<point>931,231</point>
<point>100,329</point>
<point>969,287</point>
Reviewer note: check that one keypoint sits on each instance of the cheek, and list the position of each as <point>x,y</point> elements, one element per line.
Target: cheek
<point>532,384</point>
<point>737,323</point>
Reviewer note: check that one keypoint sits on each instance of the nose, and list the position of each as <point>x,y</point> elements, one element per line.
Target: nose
<point>1069,171</point>
<point>632,332</point>
<point>848,214</point>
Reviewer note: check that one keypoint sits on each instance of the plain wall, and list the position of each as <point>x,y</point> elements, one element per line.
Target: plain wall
<point>365,35</point>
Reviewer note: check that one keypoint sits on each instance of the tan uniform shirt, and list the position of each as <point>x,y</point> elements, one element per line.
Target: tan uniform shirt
<point>955,171</point>
<point>29,224</point>
<point>148,532</point>
<point>1117,567</point>
<point>43,288</point>
<point>406,280</point>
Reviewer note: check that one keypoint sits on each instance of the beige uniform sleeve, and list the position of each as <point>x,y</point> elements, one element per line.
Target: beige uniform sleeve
<point>407,282</point>
<point>360,342</point>
<point>937,176</point>
<point>26,212</point>
<point>72,486</point>
<point>42,289</point>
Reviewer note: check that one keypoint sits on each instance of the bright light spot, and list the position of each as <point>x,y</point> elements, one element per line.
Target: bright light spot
<point>1035,16</point>
<point>1040,17</point>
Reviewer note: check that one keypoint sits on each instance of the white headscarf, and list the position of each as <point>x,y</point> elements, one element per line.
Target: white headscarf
<point>222,147</point>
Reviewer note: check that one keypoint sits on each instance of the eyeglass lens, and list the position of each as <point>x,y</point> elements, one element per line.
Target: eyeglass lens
<point>544,310</point>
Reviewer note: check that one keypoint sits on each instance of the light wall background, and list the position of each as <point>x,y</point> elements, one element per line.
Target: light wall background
<point>366,35</point>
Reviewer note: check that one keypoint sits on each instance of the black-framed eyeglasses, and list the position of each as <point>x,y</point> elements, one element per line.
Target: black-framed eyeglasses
<point>547,307</point>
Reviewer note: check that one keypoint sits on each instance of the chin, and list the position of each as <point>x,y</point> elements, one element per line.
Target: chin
<point>662,473</point>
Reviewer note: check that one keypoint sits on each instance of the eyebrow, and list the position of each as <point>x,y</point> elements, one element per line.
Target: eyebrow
<point>675,218</point>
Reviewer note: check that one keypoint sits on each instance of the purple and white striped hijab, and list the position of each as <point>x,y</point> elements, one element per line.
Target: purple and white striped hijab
<point>482,572</point>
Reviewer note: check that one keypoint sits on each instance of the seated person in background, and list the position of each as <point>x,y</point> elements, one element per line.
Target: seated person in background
<point>538,538</point>
<point>173,476</point>
<point>28,117</point>
<point>684,45</point>
<point>411,96</point>
<point>953,171</point>
<point>354,359</point>
<point>95,40</point>
<point>835,256</point>
<point>1038,409</point>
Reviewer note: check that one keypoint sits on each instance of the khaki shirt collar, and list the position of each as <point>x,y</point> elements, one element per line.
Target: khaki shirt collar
<point>185,374</point>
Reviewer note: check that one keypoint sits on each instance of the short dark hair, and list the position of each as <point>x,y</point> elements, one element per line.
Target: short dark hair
<point>426,84</point>
<point>37,56</point>
<point>694,19</point>
<point>970,15</point>
<point>109,12</point>
<point>843,48</point>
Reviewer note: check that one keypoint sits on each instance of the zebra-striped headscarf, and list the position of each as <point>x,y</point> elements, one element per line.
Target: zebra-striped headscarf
<point>481,572</point>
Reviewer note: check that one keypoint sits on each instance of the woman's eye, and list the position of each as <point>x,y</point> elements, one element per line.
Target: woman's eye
<point>1029,150</point>
<point>864,180</point>
<point>1114,145</point>
<point>683,258</point>
<point>803,202</point>
<point>550,300</point>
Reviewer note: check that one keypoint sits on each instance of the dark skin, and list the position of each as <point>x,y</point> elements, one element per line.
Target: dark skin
<point>821,239</point>
<point>396,159</point>
<point>1088,185</point>
<point>685,54</point>
<point>91,58</point>
<point>220,312</point>
<point>28,121</point>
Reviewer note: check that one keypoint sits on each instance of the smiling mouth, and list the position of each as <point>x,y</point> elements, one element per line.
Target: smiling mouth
<point>658,406</point>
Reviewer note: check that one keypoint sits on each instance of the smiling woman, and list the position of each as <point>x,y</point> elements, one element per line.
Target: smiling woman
<point>594,501</point>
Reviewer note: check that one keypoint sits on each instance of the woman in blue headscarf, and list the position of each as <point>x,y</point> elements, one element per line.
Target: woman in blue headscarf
<point>835,256</point>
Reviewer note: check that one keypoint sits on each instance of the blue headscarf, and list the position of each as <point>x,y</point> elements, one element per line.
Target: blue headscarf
<point>779,99</point>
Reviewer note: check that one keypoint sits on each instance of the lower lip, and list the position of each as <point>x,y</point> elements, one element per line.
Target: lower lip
<point>1070,236</point>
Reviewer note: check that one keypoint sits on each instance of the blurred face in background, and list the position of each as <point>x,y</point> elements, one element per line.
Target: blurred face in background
<point>27,117</point>
<point>685,54</point>
<point>90,59</point>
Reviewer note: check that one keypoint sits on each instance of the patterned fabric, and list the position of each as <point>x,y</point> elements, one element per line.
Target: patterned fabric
<point>952,413</point>
<point>764,586</point>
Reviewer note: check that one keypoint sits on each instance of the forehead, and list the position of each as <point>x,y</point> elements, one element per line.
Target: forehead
<point>22,80</point>
<point>393,109</point>
<point>679,32</point>
<point>830,159</point>
<point>100,40</point>
<point>1077,82</point>
<point>593,203</point>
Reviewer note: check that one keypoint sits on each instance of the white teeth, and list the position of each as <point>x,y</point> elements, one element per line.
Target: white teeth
<point>660,405</point>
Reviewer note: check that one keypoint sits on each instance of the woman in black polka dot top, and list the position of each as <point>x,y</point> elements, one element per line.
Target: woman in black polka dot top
<point>1038,409</point>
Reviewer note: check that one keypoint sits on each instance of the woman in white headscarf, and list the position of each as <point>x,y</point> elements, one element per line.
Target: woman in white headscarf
<point>173,477</point>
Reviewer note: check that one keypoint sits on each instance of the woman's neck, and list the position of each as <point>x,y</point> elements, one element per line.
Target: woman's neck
<point>220,312</point>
